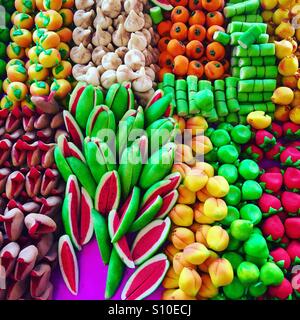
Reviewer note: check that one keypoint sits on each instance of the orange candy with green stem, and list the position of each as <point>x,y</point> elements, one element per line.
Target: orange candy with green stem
<point>180,14</point>
<point>39,88</point>
<point>65,34</point>
<point>37,72</point>
<point>67,16</point>
<point>6,103</point>
<point>23,20</point>
<point>179,31</point>
<point>16,73</point>
<point>194,49</point>
<point>52,4</point>
<point>63,70</point>
<point>14,51</point>
<point>49,58</point>
<point>21,37</point>
<point>214,70</point>
<point>33,53</point>
<point>27,6</point>
<point>176,48</point>
<point>49,40</point>
<point>50,19</point>
<point>40,5</point>
<point>68,4</point>
<point>61,87</point>
<point>5,85</point>
<point>215,51</point>
<point>64,50</point>
<point>17,91</point>
<point>181,65</point>
<point>196,32</point>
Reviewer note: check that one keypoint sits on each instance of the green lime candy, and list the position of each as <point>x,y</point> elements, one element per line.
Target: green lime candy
<point>271,274</point>
<point>226,126</point>
<point>235,290</point>
<point>229,172</point>
<point>248,273</point>
<point>240,134</point>
<point>251,212</point>
<point>258,289</point>
<point>2,67</point>
<point>234,258</point>
<point>251,190</point>
<point>256,246</point>
<point>227,154</point>
<point>258,261</point>
<point>234,196</point>
<point>248,169</point>
<point>2,50</point>
<point>241,229</point>
<point>232,214</point>
<point>220,137</point>
<point>211,156</point>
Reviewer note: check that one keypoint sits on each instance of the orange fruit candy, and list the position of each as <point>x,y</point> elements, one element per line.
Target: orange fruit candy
<point>165,60</point>
<point>197,17</point>
<point>196,32</point>
<point>179,31</point>
<point>176,48</point>
<point>164,27</point>
<point>194,49</point>
<point>211,30</point>
<point>214,70</point>
<point>180,14</point>
<point>196,69</point>
<point>163,43</point>
<point>215,51</point>
<point>181,65</point>
<point>214,18</point>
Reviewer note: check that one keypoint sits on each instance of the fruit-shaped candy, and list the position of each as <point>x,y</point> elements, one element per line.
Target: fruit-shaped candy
<point>61,87</point>
<point>16,73</point>
<point>39,88</point>
<point>17,91</point>
<point>21,37</point>
<point>49,40</point>
<point>50,19</point>
<point>64,50</point>
<point>14,51</point>
<point>49,58</point>
<point>33,53</point>
<point>37,72</point>
<point>23,20</point>
<point>53,5</point>
<point>26,6</point>
<point>63,70</point>
<point>6,103</point>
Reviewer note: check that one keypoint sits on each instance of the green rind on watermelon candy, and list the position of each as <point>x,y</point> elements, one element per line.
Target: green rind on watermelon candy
<point>169,201</point>
<point>121,246</point>
<point>156,96</point>
<point>130,98</point>
<point>138,286</point>
<point>175,177</point>
<point>86,222</point>
<point>62,164</point>
<point>127,214</point>
<point>83,174</point>
<point>146,214</point>
<point>114,274</point>
<point>73,129</point>
<point>75,152</point>
<point>107,195</point>
<point>75,96</point>
<point>102,236</point>
<point>117,100</point>
<point>111,93</point>
<point>149,240</point>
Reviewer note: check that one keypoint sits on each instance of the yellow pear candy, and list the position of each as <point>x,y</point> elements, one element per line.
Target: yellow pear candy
<point>186,196</point>
<point>184,153</point>
<point>267,15</point>
<point>182,168</point>
<point>286,4</point>
<point>170,251</point>
<point>197,125</point>
<point>296,101</point>
<point>207,290</point>
<point>199,215</point>
<point>195,226</point>
<point>268,4</point>
<point>217,186</point>
<point>203,194</point>
<point>283,96</point>
<point>212,257</point>
<point>179,263</point>
<point>283,48</point>
<point>182,215</point>
<point>217,238</point>
<point>196,253</point>
<point>189,281</point>
<point>201,145</point>
<point>181,237</point>
<point>195,180</point>
<point>290,81</point>
<point>171,279</point>
<point>201,234</point>
<point>280,14</point>
<point>221,272</point>
<point>282,113</point>
<point>206,167</point>
<point>215,209</point>
<point>177,294</point>
<point>259,120</point>
<point>295,115</point>
<point>288,66</point>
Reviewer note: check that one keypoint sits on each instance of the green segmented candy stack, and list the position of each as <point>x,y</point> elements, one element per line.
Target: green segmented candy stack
<point>253,59</point>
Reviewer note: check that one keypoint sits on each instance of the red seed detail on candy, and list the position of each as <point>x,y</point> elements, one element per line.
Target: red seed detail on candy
<point>168,111</point>
<point>169,201</point>
<point>74,104</point>
<point>157,95</point>
<point>123,209</point>
<point>95,116</point>
<point>148,240</point>
<point>86,224</point>
<point>145,280</point>
<point>76,135</point>
<point>74,192</point>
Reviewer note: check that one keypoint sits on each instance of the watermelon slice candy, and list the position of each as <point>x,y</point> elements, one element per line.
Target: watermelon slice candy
<point>146,278</point>
<point>169,201</point>
<point>86,222</point>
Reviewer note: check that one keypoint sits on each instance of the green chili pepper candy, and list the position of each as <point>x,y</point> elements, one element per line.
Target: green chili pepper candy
<point>241,134</point>
<point>232,214</point>
<point>256,246</point>
<point>227,154</point>
<point>102,235</point>
<point>257,290</point>
<point>251,212</point>
<point>241,229</point>
<point>234,196</point>
<point>251,190</point>
<point>258,261</point>
<point>222,37</point>
<point>220,137</point>
<point>248,273</point>
<point>271,274</point>
<point>234,258</point>
<point>114,274</point>
<point>248,169</point>
<point>235,290</point>
<point>229,172</point>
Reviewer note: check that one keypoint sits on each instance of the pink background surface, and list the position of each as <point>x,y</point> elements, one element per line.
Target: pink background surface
<point>92,278</point>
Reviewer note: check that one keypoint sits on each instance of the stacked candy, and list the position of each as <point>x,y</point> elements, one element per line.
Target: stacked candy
<point>253,59</point>
<point>31,197</point>
<point>187,46</point>
<point>279,16</point>
<point>197,270</point>
<point>38,52</point>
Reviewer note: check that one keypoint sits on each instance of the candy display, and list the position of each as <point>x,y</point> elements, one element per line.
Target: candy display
<point>149,149</point>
